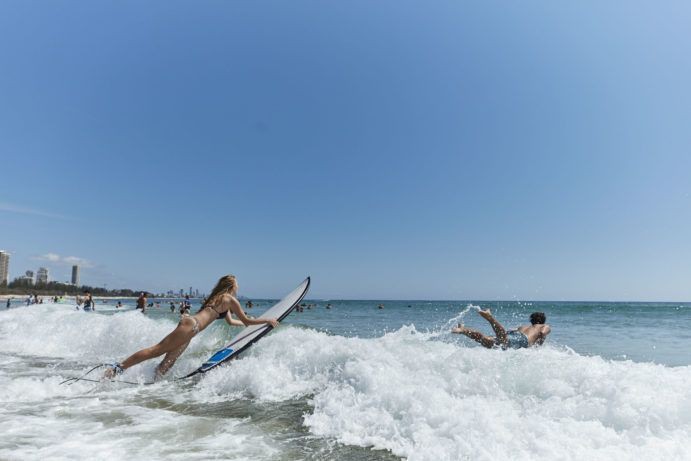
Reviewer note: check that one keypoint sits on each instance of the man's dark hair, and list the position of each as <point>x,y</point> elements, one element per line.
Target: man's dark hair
<point>538,318</point>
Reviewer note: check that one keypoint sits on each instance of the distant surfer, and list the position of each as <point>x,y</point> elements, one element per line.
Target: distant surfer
<point>222,302</point>
<point>523,336</point>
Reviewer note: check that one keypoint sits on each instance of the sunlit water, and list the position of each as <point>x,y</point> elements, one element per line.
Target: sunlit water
<point>354,382</point>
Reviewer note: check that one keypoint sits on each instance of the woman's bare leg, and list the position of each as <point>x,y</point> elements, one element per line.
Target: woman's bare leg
<point>169,360</point>
<point>496,326</point>
<point>486,341</point>
<point>181,335</point>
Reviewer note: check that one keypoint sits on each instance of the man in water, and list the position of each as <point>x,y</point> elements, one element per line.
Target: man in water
<point>523,336</point>
<point>89,304</point>
<point>141,302</point>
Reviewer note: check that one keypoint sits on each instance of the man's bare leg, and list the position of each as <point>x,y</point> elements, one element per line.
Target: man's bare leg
<point>496,326</point>
<point>486,341</point>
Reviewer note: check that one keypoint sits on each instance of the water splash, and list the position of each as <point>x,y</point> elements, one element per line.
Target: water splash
<point>454,321</point>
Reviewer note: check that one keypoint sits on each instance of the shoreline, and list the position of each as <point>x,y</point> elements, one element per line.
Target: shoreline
<point>48,297</point>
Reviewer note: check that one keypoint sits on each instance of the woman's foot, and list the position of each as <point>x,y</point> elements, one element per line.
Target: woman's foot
<point>113,370</point>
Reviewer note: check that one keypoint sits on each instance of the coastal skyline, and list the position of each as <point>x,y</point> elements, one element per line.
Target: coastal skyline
<point>532,152</point>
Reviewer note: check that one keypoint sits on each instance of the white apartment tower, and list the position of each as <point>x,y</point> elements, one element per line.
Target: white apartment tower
<point>41,276</point>
<point>4,267</point>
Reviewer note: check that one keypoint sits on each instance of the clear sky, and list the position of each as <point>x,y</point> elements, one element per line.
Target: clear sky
<point>389,149</point>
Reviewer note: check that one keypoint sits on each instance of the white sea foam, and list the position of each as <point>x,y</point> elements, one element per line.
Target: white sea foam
<point>42,419</point>
<point>425,399</point>
<point>407,392</point>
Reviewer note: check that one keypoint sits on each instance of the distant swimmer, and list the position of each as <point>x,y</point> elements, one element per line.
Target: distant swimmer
<point>523,336</point>
<point>248,304</point>
<point>9,302</point>
<point>328,306</point>
<point>89,304</point>
<point>222,303</point>
<point>381,306</point>
<point>172,307</point>
<point>118,305</point>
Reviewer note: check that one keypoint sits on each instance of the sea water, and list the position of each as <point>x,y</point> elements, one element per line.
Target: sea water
<point>354,382</point>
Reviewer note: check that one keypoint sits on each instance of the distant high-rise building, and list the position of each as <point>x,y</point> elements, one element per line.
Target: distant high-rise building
<point>4,267</point>
<point>41,276</point>
<point>182,292</point>
<point>190,291</point>
<point>28,277</point>
<point>75,275</point>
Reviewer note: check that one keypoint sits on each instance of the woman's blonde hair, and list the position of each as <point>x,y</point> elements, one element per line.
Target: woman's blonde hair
<point>225,285</point>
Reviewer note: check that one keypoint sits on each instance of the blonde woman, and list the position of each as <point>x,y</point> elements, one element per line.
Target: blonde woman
<point>219,305</point>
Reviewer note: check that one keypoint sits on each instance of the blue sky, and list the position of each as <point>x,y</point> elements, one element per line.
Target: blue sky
<point>434,150</point>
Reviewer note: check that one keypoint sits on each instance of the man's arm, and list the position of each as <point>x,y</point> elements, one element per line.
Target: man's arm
<point>544,331</point>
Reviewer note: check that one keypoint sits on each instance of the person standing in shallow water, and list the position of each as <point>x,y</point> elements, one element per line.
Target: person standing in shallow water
<point>141,302</point>
<point>222,302</point>
<point>523,336</point>
<point>89,304</point>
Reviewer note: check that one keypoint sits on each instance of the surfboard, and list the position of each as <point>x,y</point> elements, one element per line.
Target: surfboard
<point>254,333</point>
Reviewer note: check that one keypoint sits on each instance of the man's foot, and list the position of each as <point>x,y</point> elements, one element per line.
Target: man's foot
<point>460,329</point>
<point>486,314</point>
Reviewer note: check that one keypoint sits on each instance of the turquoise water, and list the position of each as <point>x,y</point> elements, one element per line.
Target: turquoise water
<point>354,383</point>
<point>642,332</point>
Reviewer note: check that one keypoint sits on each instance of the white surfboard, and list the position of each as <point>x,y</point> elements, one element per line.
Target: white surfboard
<point>253,333</point>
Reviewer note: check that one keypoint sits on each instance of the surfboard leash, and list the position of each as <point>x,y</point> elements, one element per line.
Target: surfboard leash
<point>83,377</point>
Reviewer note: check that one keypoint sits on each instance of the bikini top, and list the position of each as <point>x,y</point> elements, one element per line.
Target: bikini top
<point>220,314</point>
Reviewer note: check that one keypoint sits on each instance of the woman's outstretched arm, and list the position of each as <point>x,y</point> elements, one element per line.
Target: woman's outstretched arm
<point>232,322</point>
<point>237,310</point>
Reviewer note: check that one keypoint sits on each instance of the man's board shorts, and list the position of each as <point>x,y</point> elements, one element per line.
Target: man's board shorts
<point>516,340</point>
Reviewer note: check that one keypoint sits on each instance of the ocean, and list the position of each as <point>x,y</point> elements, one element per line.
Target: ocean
<point>354,382</point>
